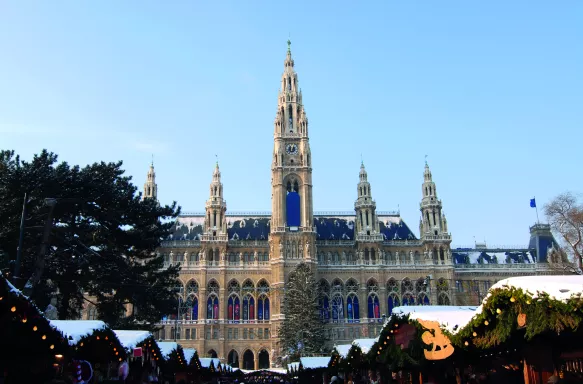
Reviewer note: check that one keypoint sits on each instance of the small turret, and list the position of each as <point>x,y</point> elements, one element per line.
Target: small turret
<point>150,186</point>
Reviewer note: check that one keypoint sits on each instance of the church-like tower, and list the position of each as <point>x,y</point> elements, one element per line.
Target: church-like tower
<point>367,223</point>
<point>215,223</point>
<point>433,225</point>
<point>150,186</point>
<point>292,218</point>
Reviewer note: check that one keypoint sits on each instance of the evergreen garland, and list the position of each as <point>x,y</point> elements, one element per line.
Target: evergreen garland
<point>498,320</point>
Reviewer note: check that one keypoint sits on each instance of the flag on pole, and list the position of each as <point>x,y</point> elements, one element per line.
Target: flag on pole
<point>532,203</point>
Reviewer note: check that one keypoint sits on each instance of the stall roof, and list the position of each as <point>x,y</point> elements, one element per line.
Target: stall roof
<point>451,318</point>
<point>130,339</point>
<point>166,347</point>
<point>205,362</point>
<point>559,288</point>
<point>315,362</point>
<point>75,330</point>
<point>188,353</point>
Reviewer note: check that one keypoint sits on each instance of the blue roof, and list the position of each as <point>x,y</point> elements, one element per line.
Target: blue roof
<point>257,227</point>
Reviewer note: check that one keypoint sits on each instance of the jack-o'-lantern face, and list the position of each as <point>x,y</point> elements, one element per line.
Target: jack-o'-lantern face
<point>441,348</point>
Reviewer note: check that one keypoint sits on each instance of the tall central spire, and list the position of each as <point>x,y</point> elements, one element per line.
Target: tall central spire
<point>291,164</point>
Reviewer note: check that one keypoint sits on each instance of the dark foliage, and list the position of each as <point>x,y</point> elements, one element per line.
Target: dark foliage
<point>101,240</point>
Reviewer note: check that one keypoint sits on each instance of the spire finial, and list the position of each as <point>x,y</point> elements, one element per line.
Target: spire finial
<point>152,160</point>
<point>217,160</point>
<point>425,159</point>
<point>289,44</point>
<point>361,161</point>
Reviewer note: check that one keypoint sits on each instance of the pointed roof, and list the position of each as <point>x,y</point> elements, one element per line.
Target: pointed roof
<point>427,172</point>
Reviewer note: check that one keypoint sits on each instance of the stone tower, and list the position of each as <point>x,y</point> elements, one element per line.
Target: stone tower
<point>292,235</point>
<point>150,186</point>
<point>433,225</point>
<point>215,223</point>
<point>367,223</point>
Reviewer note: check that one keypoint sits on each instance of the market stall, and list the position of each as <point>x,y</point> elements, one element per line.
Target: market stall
<point>97,352</point>
<point>33,351</point>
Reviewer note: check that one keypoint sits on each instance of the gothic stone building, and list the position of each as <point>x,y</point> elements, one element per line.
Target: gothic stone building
<point>234,266</point>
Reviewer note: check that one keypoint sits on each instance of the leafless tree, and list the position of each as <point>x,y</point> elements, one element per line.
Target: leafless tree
<point>565,215</point>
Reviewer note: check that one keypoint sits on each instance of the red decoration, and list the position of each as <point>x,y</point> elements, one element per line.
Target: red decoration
<point>138,352</point>
<point>405,335</point>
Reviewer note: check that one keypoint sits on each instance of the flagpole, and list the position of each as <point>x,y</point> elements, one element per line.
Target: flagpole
<point>536,208</point>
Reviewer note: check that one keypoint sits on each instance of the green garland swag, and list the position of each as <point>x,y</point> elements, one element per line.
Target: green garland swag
<point>499,318</point>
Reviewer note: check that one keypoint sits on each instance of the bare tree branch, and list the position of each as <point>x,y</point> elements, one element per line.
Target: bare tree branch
<point>565,215</point>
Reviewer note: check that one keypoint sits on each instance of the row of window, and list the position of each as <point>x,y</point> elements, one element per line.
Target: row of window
<point>336,311</point>
<point>236,311</point>
<point>247,333</point>
<point>352,333</point>
<point>213,333</point>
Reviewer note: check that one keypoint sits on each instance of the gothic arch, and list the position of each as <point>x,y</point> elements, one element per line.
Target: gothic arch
<point>233,285</point>
<point>213,285</point>
<point>263,357</point>
<point>248,360</point>
<point>263,286</point>
<point>233,358</point>
<point>248,284</point>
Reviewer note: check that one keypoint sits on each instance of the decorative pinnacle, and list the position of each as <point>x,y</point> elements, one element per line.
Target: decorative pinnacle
<point>288,45</point>
<point>425,159</point>
<point>152,160</point>
<point>217,160</point>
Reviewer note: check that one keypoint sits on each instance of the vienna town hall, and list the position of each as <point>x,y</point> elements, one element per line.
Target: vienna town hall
<point>235,266</point>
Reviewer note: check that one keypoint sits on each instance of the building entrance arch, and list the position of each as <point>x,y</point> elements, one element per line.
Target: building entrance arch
<point>248,360</point>
<point>263,359</point>
<point>233,359</point>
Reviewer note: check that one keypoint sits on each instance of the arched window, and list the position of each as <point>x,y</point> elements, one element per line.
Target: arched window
<point>392,302</point>
<point>234,309</point>
<point>263,308</point>
<point>408,299</point>
<point>422,299</point>
<point>192,307</point>
<point>407,290</point>
<point>374,311</point>
<point>352,309</point>
<point>248,308</point>
<point>337,309</point>
<point>212,307</point>
<point>91,313</point>
<point>233,359</point>
<point>324,309</point>
<point>263,286</point>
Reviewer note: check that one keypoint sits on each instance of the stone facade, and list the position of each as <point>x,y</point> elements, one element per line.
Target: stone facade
<point>234,266</point>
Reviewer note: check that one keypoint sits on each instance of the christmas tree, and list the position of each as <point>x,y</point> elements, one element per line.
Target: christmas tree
<point>302,331</point>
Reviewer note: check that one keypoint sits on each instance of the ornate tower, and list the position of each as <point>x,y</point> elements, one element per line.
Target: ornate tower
<point>433,225</point>
<point>291,169</point>
<point>367,223</point>
<point>215,223</point>
<point>150,186</point>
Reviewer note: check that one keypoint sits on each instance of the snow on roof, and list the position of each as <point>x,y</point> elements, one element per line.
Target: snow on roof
<point>130,339</point>
<point>451,317</point>
<point>315,362</point>
<point>294,366</point>
<point>559,288</point>
<point>205,362</point>
<point>365,344</point>
<point>188,353</point>
<point>166,347</point>
<point>343,349</point>
<point>75,330</point>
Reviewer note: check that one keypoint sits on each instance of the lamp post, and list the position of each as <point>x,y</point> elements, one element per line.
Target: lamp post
<point>20,241</point>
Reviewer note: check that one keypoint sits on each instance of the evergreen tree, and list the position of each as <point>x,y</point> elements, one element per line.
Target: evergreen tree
<point>101,239</point>
<point>302,331</point>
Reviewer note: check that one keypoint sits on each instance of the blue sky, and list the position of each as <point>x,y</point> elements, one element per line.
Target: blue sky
<point>491,91</point>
